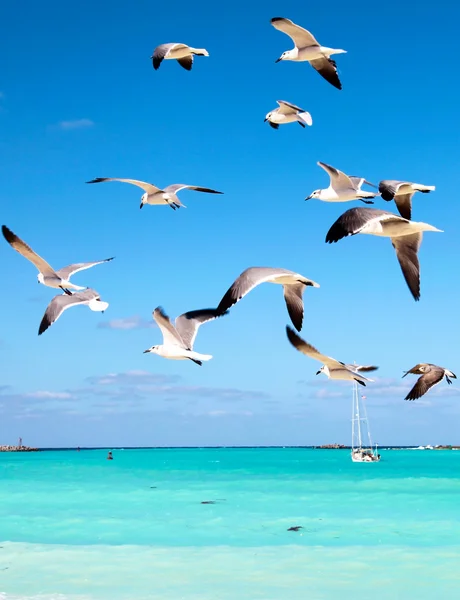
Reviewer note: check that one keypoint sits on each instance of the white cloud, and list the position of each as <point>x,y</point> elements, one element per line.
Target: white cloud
<point>127,323</point>
<point>46,395</point>
<point>76,124</point>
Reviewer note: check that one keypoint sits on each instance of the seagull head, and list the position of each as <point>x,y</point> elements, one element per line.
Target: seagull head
<point>282,57</point>
<point>153,349</point>
<point>324,369</point>
<point>315,194</point>
<point>143,199</point>
<point>268,116</point>
<point>40,278</point>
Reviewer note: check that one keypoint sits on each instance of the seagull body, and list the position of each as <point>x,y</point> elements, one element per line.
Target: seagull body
<point>46,274</point>
<point>156,196</point>
<point>288,113</point>
<point>431,375</point>
<point>62,302</point>
<point>180,52</point>
<point>178,339</point>
<point>342,188</point>
<point>308,49</point>
<point>333,369</point>
<point>401,192</point>
<point>406,237</point>
<point>293,284</point>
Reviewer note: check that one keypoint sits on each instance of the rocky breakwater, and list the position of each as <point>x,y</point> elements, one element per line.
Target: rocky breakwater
<point>18,449</point>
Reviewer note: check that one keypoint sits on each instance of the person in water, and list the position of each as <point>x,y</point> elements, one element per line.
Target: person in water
<point>109,455</point>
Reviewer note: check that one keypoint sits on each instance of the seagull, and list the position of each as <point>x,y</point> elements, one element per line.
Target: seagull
<point>46,274</point>
<point>431,375</point>
<point>342,188</point>
<point>62,302</point>
<point>154,195</point>
<point>293,284</point>
<point>181,52</point>
<point>406,237</point>
<point>178,339</point>
<point>332,368</point>
<point>308,49</point>
<point>288,113</point>
<point>401,192</point>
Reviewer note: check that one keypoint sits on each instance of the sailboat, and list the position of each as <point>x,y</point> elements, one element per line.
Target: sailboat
<point>361,452</point>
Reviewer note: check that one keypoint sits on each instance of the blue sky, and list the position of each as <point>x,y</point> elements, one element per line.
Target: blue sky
<point>79,99</point>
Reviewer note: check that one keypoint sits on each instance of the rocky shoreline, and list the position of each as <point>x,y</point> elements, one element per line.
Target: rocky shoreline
<point>18,449</point>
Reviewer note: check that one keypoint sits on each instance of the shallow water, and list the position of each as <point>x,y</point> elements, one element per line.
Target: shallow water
<point>76,526</point>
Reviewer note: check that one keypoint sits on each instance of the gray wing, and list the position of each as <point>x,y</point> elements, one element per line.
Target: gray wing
<point>389,187</point>
<point>247,281</point>
<point>309,350</point>
<point>425,382</point>
<point>187,324</point>
<point>177,187</point>
<point>170,334</point>
<point>300,36</point>
<point>406,248</point>
<point>294,302</point>
<point>159,53</point>
<point>359,368</point>
<point>67,272</point>
<point>327,68</point>
<point>147,187</point>
<point>338,178</point>
<point>61,303</point>
<point>26,251</point>
<point>186,62</point>
<point>287,108</point>
<point>354,220</point>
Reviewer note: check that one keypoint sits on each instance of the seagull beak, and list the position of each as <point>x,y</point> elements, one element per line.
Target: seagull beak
<point>142,204</point>
<point>265,120</point>
<point>404,374</point>
<point>278,59</point>
<point>146,351</point>
<point>309,197</point>
<point>318,372</point>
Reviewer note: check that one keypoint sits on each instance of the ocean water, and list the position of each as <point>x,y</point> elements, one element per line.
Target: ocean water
<point>75,526</point>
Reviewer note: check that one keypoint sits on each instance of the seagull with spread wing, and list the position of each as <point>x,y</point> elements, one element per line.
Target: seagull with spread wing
<point>178,339</point>
<point>157,196</point>
<point>62,302</point>
<point>46,274</point>
<point>306,48</point>
<point>333,369</point>
<point>401,192</point>
<point>288,113</point>
<point>342,188</point>
<point>431,375</point>
<point>180,52</point>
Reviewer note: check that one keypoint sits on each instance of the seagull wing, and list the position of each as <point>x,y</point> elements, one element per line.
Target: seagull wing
<point>354,220</point>
<point>309,350</point>
<point>177,187</point>
<point>406,248</point>
<point>147,187</point>
<point>186,62</point>
<point>170,334</point>
<point>327,68</point>
<point>300,36</point>
<point>389,187</point>
<point>247,281</point>
<point>61,303</point>
<point>425,382</point>
<point>67,272</point>
<point>389,191</point>
<point>161,51</point>
<point>358,182</point>
<point>27,252</point>
<point>286,108</point>
<point>365,369</point>
<point>294,302</point>
<point>187,324</point>
<point>339,180</point>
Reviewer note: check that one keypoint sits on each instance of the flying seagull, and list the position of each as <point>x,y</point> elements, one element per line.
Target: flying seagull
<point>308,49</point>
<point>62,302</point>
<point>46,274</point>
<point>406,237</point>
<point>293,284</point>
<point>178,339</point>
<point>431,375</point>
<point>180,52</point>
<point>401,192</point>
<point>287,113</point>
<point>156,196</point>
<point>342,188</point>
<point>332,368</point>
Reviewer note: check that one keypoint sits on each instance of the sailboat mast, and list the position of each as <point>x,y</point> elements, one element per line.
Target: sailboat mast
<point>358,417</point>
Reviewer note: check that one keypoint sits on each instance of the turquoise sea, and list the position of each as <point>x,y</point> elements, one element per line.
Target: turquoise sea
<point>75,526</point>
